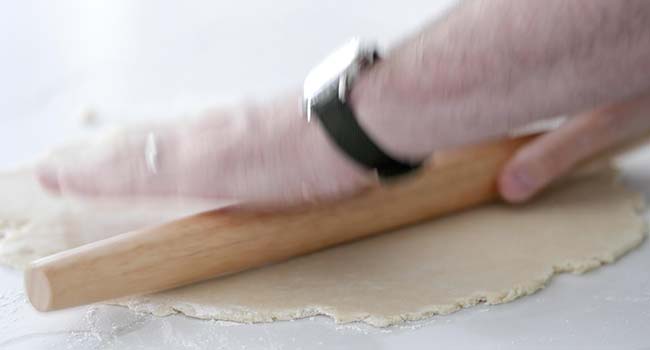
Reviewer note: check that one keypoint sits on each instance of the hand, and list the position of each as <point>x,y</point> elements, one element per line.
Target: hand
<point>554,154</point>
<point>266,155</point>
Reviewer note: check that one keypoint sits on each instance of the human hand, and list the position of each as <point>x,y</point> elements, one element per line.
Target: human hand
<point>267,155</point>
<point>262,154</point>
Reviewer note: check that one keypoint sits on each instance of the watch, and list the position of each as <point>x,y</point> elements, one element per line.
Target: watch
<point>325,96</point>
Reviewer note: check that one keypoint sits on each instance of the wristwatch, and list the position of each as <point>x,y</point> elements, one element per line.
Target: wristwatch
<point>325,96</point>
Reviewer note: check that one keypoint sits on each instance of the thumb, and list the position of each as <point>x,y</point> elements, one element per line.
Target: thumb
<point>552,155</point>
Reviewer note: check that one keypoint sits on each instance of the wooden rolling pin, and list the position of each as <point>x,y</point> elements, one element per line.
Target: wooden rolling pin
<point>227,241</point>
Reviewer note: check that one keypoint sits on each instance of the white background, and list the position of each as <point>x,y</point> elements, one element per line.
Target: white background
<point>128,60</point>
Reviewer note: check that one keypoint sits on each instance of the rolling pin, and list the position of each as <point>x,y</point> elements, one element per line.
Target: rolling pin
<point>226,241</point>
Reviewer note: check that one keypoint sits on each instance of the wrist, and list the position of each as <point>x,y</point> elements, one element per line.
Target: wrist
<point>328,172</point>
<point>380,110</point>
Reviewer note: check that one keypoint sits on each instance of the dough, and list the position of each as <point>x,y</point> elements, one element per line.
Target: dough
<point>492,255</point>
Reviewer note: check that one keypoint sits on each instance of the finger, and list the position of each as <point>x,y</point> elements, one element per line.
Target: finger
<point>127,161</point>
<point>551,155</point>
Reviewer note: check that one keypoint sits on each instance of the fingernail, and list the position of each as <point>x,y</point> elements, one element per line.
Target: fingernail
<point>519,186</point>
<point>48,176</point>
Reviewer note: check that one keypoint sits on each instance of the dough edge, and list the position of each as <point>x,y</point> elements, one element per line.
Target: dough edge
<point>249,316</point>
<point>532,285</point>
<point>246,316</point>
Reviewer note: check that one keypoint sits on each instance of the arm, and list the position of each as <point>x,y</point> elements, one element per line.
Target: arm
<point>492,65</point>
<point>488,66</point>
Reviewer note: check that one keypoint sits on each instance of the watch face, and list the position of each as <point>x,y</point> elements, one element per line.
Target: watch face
<point>327,73</point>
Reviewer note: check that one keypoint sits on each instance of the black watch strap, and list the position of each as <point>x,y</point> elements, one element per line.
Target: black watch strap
<point>341,125</point>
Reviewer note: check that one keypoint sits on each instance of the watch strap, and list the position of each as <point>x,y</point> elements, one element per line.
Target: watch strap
<point>342,126</point>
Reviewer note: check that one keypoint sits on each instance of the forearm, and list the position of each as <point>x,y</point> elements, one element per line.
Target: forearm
<point>493,65</point>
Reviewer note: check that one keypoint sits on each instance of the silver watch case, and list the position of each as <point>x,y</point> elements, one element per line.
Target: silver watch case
<point>334,76</point>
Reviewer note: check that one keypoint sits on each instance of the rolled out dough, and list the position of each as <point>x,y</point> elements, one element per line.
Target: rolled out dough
<point>493,254</point>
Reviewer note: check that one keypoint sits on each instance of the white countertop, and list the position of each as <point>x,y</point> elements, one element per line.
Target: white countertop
<point>129,60</point>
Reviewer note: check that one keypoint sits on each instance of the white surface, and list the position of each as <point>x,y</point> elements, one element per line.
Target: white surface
<point>129,60</point>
